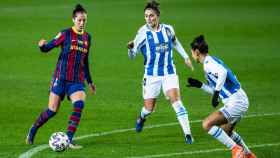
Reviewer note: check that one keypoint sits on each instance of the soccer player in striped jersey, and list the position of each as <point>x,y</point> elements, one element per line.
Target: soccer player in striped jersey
<point>156,42</point>
<point>71,70</point>
<point>221,83</point>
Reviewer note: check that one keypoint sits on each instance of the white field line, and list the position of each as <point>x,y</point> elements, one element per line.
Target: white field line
<point>201,151</point>
<point>33,151</point>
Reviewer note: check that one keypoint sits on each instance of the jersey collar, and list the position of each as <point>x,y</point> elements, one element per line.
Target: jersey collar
<point>76,31</point>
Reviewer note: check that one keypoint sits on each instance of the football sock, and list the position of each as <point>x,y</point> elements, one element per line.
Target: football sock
<point>221,136</point>
<point>144,112</point>
<point>74,119</point>
<point>182,116</point>
<point>238,140</point>
<point>42,119</point>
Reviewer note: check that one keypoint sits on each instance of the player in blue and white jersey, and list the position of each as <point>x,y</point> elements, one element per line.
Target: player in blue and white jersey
<point>155,41</point>
<point>221,83</point>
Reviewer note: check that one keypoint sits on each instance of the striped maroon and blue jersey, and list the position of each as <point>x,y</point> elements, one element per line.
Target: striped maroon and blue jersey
<point>72,64</point>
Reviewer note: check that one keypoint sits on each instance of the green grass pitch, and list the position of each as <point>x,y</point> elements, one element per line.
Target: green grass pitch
<point>244,33</point>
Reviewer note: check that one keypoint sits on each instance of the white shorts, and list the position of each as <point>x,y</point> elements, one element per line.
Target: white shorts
<point>153,84</point>
<point>235,106</point>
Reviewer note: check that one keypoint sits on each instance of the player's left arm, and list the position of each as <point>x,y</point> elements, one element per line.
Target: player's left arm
<point>180,49</point>
<point>87,72</point>
<point>221,73</point>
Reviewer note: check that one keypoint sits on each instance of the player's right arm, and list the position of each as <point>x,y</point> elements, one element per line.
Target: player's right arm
<point>135,45</point>
<point>47,46</point>
<point>198,84</point>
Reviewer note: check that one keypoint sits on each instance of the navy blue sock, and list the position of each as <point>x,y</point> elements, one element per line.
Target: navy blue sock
<point>42,119</point>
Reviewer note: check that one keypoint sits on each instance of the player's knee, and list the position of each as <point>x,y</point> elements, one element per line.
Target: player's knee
<point>53,107</point>
<point>79,104</point>
<point>206,125</point>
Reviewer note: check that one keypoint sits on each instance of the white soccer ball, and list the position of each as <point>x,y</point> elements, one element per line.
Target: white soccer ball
<point>58,141</point>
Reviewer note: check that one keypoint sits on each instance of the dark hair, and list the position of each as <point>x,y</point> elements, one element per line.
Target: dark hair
<point>78,8</point>
<point>152,4</point>
<point>200,44</point>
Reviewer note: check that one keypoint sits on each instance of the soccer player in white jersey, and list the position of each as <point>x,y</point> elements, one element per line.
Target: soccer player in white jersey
<point>155,41</point>
<point>223,84</point>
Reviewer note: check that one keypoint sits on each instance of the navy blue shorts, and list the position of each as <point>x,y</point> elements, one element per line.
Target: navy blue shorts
<point>61,88</point>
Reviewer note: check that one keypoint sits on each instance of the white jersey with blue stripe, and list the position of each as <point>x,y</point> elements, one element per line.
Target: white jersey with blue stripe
<point>220,77</point>
<point>156,47</point>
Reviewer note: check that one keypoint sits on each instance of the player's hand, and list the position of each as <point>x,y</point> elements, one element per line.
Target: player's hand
<point>92,88</point>
<point>42,42</point>
<point>130,45</point>
<point>188,62</point>
<point>194,83</point>
<point>215,97</point>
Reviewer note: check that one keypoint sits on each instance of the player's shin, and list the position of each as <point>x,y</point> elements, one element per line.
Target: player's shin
<point>41,120</point>
<point>238,140</point>
<point>182,116</point>
<point>74,119</point>
<point>144,113</point>
<point>219,134</point>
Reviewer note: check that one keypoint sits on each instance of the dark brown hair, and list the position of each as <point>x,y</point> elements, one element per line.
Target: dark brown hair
<point>152,4</point>
<point>200,44</point>
<point>78,8</point>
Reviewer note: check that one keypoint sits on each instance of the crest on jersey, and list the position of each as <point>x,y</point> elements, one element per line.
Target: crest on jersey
<point>58,35</point>
<point>150,37</point>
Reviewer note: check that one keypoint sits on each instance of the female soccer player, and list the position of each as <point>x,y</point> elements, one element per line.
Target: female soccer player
<point>223,84</point>
<point>156,41</point>
<point>71,70</point>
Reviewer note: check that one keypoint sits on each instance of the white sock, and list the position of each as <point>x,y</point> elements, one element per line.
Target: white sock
<point>238,140</point>
<point>144,112</point>
<point>182,116</point>
<point>221,136</point>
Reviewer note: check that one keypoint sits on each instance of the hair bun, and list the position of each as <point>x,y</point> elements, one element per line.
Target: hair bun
<point>200,38</point>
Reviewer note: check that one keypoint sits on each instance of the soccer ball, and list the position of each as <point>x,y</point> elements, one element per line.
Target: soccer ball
<point>58,141</point>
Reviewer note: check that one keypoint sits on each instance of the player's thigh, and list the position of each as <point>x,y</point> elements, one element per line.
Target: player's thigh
<point>78,95</point>
<point>54,101</point>
<point>151,87</point>
<point>236,107</point>
<point>171,87</point>
<point>216,118</point>
<point>75,91</point>
<point>149,104</point>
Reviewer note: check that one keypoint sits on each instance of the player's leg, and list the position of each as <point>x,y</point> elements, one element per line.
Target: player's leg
<point>171,90</point>
<point>181,113</point>
<point>238,139</point>
<point>147,109</point>
<point>235,109</point>
<point>151,89</point>
<point>212,125</point>
<point>76,93</point>
<point>53,106</point>
<point>229,129</point>
<point>77,99</point>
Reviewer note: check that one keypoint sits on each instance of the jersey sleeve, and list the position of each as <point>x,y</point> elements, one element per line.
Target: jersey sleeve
<point>219,71</point>
<point>86,68</point>
<point>58,40</point>
<point>206,88</point>
<point>138,42</point>
<point>177,44</point>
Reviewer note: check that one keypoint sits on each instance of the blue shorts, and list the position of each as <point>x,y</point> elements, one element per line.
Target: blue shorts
<point>60,88</point>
